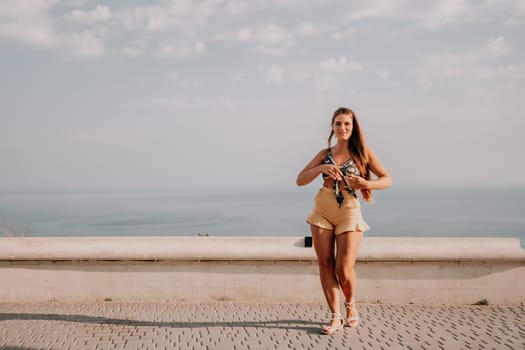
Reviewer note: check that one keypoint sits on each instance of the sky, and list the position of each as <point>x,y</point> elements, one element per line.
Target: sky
<point>235,93</point>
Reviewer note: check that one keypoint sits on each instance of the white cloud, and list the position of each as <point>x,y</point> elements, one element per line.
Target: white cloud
<point>469,66</point>
<point>275,34</point>
<point>187,21</point>
<point>75,3</point>
<point>343,34</point>
<point>452,7</point>
<point>355,66</point>
<point>497,46</point>
<point>181,49</point>
<point>513,21</point>
<point>28,21</point>
<point>275,74</point>
<point>244,34</point>
<point>156,19</point>
<point>98,14</point>
<point>240,77</point>
<point>236,7</point>
<point>445,66</point>
<point>199,47</point>
<point>306,29</point>
<point>385,77</point>
<point>431,14</point>
<point>271,51</point>
<point>330,70</point>
<point>175,50</point>
<point>375,9</point>
<point>86,44</point>
<point>519,7</point>
<point>324,74</point>
<point>272,34</point>
<point>186,83</point>
<point>184,101</point>
<point>273,39</point>
<point>338,65</point>
<point>269,39</point>
<point>175,15</point>
<point>383,74</point>
<point>31,22</point>
<point>136,48</point>
<point>478,92</point>
<point>509,68</point>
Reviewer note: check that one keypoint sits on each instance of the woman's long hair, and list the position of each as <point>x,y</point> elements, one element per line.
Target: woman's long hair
<point>356,146</point>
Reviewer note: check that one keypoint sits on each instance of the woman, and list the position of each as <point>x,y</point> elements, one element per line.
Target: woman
<point>336,222</point>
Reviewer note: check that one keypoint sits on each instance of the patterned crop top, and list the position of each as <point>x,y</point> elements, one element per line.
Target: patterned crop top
<point>349,167</point>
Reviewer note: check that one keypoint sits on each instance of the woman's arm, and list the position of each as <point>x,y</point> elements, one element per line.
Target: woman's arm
<point>383,179</point>
<point>315,168</point>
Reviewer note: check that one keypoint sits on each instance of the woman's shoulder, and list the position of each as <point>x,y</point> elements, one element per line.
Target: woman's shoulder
<point>369,152</point>
<point>322,154</point>
<point>325,152</point>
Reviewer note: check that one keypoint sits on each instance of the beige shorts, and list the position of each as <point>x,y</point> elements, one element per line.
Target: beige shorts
<point>326,213</point>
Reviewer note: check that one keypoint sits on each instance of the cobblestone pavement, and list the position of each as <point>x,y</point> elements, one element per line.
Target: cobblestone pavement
<point>226,325</point>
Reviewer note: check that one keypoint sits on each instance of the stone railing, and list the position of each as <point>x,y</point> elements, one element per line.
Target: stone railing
<point>392,270</point>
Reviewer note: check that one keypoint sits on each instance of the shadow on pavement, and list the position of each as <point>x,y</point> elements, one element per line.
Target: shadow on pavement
<point>280,324</point>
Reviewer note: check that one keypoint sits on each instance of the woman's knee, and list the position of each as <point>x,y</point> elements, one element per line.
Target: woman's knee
<point>326,265</point>
<point>344,272</point>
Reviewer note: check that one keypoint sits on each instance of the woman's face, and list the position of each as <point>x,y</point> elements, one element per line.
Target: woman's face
<point>343,126</point>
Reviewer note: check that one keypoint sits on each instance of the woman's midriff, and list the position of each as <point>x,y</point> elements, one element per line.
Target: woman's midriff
<point>329,183</point>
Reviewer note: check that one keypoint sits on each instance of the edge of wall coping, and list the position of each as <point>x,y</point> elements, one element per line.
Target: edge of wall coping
<point>139,248</point>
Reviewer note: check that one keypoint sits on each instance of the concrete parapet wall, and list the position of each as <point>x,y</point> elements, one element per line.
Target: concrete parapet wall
<point>393,270</point>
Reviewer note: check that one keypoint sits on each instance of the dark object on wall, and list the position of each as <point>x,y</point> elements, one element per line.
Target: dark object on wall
<point>308,241</point>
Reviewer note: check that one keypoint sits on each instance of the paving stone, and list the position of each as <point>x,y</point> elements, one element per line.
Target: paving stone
<point>227,325</point>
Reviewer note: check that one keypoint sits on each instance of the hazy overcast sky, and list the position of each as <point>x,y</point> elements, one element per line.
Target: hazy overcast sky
<point>214,93</point>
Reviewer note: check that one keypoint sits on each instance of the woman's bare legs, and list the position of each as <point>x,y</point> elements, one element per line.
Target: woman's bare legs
<point>324,244</point>
<point>347,246</point>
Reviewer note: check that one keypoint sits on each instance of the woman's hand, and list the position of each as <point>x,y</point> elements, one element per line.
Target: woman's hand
<point>357,182</point>
<point>333,171</point>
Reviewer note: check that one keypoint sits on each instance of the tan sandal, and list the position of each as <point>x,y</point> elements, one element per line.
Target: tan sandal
<point>350,305</point>
<point>331,330</point>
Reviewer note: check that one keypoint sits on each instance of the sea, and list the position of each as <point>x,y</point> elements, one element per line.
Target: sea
<point>247,212</point>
